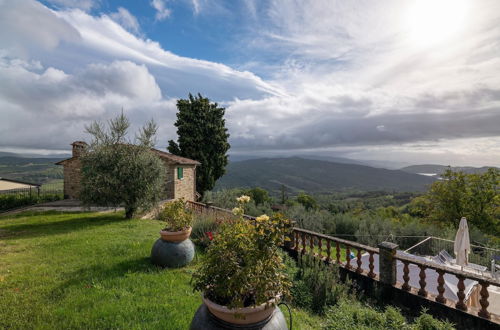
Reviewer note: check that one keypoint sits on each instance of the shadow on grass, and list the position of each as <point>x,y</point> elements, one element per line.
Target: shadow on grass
<point>75,221</point>
<point>90,277</point>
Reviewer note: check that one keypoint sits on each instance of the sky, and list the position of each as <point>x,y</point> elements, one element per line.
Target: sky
<point>415,81</point>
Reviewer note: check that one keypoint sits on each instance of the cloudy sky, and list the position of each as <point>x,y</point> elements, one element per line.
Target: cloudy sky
<point>412,81</point>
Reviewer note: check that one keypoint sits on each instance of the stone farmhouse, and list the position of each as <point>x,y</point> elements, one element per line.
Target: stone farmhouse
<point>180,174</point>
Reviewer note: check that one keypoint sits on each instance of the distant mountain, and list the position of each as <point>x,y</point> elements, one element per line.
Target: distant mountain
<point>428,169</point>
<point>28,155</point>
<point>392,165</point>
<point>317,176</point>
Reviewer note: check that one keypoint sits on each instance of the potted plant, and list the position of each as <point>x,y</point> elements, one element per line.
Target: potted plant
<point>178,221</point>
<point>242,276</point>
<point>174,248</point>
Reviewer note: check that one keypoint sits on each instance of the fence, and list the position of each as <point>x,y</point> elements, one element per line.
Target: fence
<point>381,265</point>
<point>14,198</point>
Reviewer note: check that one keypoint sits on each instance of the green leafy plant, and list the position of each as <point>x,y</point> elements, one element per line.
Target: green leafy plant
<point>243,266</point>
<point>176,216</point>
<point>317,286</point>
<point>205,227</point>
<point>348,314</point>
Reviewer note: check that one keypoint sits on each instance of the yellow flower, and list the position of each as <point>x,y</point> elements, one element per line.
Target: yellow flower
<point>243,199</point>
<point>262,218</point>
<point>237,211</point>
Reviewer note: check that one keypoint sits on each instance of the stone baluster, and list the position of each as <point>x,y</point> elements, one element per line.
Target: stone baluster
<point>406,276</point>
<point>337,247</point>
<point>304,250</point>
<point>484,301</point>
<point>296,245</point>
<point>371,274</point>
<point>320,247</point>
<point>328,250</point>
<point>359,270</point>
<point>348,257</point>
<point>422,292</point>
<point>440,298</point>
<point>311,244</point>
<point>461,294</point>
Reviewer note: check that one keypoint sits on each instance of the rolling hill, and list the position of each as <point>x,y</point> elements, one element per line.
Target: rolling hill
<point>36,170</point>
<point>317,176</point>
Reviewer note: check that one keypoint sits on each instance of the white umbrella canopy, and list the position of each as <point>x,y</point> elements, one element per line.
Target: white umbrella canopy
<point>462,243</point>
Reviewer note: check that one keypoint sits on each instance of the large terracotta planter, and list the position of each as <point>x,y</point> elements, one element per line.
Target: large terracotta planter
<point>245,315</point>
<point>176,236</point>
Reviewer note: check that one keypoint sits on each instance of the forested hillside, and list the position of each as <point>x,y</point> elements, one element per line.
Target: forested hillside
<point>35,170</point>
<point>299,174</point>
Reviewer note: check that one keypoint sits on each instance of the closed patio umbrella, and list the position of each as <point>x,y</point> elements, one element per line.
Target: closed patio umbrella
<point>462,243</point>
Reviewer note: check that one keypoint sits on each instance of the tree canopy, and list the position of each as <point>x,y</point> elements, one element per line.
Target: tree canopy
<point>202,136</point>
<point>116,172</point>
<point>474,196</point>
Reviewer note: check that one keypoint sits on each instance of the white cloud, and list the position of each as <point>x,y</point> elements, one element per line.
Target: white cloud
<point>342,75</point>
<point>126,19</point>
<point>52,107</point>
<point>26,26</point>
<point>162,12</point>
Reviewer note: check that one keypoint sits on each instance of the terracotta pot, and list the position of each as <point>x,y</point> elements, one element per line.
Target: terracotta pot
<point>175,236</point>
<point>245,315</point>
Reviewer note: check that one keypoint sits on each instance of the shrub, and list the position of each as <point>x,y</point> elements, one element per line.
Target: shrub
<point>317,286</point>
<point>243,266</point>
<point>8,202</point>
<point>349,314</point>
<point>204,229</point>
<point>12,201</point>
<point>176,216</point>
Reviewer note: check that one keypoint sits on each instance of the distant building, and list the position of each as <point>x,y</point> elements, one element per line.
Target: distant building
<point>9,184</point>
<point>180,174</point>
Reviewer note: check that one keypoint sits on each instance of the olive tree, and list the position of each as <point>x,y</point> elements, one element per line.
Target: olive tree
<point>116,172</point>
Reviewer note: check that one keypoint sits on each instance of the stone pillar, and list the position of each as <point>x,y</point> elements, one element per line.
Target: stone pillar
<point>387,263</point>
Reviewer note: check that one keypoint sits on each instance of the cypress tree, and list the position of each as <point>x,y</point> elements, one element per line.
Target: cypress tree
<point>202,136</point>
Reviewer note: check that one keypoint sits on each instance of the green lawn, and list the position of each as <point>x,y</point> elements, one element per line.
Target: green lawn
<point>89,270</point>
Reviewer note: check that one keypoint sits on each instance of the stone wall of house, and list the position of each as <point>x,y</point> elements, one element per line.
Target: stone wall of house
<point>174,187</point>
<point>169,180</point>
<point>185,187</point>
<point>72,176</point>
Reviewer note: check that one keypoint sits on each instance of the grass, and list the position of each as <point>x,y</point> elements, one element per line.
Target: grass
<point>90,270</point>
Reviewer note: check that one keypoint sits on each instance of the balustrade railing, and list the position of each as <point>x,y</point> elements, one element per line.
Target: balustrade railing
<point>336,250</point>
<point>312,243</point>
<point>462,276</point>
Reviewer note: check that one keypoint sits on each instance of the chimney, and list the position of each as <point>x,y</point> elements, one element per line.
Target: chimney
<point>78,148</point>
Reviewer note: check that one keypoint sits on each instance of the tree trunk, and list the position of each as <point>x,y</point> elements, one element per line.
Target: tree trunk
<point>129,212</point>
